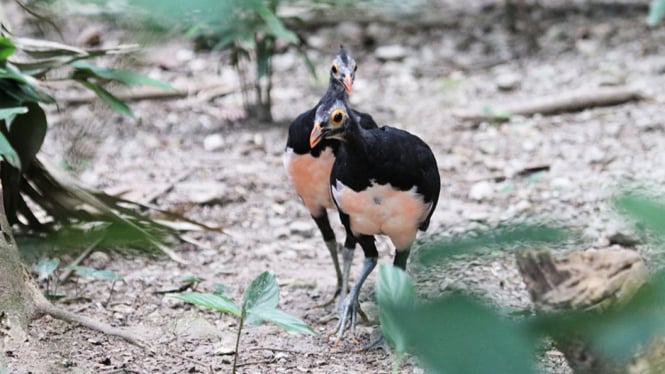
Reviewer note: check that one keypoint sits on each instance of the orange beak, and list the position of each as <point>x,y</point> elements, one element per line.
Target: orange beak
<point>316,135</point>
<point>348,84</point>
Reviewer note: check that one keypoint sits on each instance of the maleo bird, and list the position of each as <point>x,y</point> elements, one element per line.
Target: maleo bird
<point>384,181</point>
<point>309,167</point>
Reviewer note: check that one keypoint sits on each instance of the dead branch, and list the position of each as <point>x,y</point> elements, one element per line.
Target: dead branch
<point>566,102</point>
<point>199,94</point>
<point>68,272</point>
<point>180,177</point>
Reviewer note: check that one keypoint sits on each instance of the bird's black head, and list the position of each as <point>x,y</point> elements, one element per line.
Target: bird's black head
<point>330,122</point>
<point>343,70</point>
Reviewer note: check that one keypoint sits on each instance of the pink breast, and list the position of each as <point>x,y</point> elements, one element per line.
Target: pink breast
<point>382,209</point>
<point>311,178</point>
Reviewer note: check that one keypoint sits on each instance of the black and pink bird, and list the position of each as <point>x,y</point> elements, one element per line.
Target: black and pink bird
<point>309,166</point>
<point>384,181</point>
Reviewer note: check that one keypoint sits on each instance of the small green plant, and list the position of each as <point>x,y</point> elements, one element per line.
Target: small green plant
<point>259,304</point>
<point>45,273</point>
<point>92,273</point>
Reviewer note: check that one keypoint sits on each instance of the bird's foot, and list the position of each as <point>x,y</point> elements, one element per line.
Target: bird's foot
<point>348,317</point>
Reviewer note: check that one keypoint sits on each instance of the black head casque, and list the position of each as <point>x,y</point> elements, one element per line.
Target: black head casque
<point>343,70</point>
<point>330,121</point>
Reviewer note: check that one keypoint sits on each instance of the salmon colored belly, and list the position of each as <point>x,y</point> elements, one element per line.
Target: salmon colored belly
<point>311,178</point>
<point>382,209</point>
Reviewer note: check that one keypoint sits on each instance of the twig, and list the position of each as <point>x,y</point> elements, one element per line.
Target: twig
<point>281,350</point>
<point>527,171</point>
<point>69,269</point>
<point>566,102</point>
<point>269,361</point>
<point>194,361</point>
<point>192,241</point>
<point>150,198</point>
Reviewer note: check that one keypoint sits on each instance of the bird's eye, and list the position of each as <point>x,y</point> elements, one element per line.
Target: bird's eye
<point>334,69</point>
<point>337,117</point>
<point>355,68</point>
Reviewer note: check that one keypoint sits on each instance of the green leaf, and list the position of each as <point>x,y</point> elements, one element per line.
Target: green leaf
<point>190,279</point>
<point>7,48</point>
<point>46,267</point>
<point>27,132</point>
<point>85,70</point>
<point>262,293</point>
<point>506,236</point>
<point>112,101</point>
<point>207,300</point>
<point>274,26</point>
<point>11,112</point>
<point>457,335</point>
<point>656,12</point>
<point>88,272</point>
<point>282,319</point>
<point>8,153</point>
<point>393,288</point>
<point>647,212</point>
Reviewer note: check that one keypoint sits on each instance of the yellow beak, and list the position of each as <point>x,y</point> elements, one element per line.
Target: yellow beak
<point>316,135</point>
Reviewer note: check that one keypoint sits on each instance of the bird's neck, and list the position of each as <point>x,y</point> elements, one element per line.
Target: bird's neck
<point>334,87</point>
<point>357,139</point>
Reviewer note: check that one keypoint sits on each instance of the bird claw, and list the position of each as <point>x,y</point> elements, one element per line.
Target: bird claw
<point>348,317</point>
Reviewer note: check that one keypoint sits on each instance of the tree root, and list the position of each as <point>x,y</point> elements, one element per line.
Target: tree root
<point>43,306</point>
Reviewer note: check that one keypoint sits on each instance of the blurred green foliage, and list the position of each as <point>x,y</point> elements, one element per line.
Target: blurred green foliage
<point>656,12</point>
<point>461,334</point>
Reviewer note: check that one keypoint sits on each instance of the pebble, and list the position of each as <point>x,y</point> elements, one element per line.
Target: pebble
<point>390,52</point>
<point>508,81</point>
<point>481,190</point>
<point>213,142</point>
<point>561,183</point>
<point>302,228</point>
<point>99,260</point>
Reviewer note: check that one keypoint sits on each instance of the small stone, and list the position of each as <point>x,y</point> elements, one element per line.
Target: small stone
<point>391,52</point>
<point>481,190</point>
<point>561,183</point>
<point>203,192</point>
<point>522,206</point>
<point>594,154</point>
<point>302,228</point>
<point>508,81</point>
<point>99,260</point>
<point>371,311</point>
<point>213,142</point>
<point>623,240</point>
<point>90,37</point>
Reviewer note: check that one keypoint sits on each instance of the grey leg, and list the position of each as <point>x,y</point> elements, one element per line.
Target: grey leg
<point>347,257</point>
<point>332,248</point>
<point>348,315</point>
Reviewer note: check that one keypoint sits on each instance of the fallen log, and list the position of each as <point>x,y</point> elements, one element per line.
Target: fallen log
<point>565,102</point>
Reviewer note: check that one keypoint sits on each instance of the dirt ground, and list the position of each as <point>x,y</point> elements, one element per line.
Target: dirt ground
<point>229,173</point>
